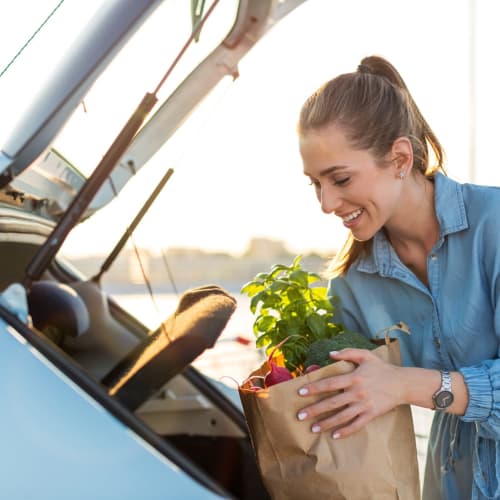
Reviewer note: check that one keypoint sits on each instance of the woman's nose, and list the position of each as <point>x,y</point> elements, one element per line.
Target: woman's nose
<point>330,200</point>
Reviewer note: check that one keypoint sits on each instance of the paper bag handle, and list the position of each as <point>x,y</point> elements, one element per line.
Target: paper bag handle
<point>400,325</point>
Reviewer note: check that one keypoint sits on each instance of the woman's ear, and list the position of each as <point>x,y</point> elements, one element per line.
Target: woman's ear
<point>402,154</point>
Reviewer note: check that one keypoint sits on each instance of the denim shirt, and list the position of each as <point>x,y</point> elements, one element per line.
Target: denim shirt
<point>454,324</point>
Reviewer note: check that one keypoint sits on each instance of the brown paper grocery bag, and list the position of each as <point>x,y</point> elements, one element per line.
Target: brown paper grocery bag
<point>378,462</point>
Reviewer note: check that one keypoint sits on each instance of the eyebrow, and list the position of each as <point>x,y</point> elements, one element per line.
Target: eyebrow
<point>329,170</point>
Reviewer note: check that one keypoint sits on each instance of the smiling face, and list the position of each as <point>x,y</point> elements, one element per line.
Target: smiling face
<point>350,183</point>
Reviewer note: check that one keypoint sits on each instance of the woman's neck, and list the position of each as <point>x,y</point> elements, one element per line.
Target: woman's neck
<point>415,227</point>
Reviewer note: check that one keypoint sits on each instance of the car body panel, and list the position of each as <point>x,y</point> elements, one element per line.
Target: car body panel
<point>62,444</point>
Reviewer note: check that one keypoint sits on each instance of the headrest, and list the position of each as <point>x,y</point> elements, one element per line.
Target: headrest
<point>199,319</point>
<point>57,310</point>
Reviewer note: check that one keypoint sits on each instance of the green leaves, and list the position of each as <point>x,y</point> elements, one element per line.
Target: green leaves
<point>300,278</point>
<point>287,307</point>
<point>265,323</point>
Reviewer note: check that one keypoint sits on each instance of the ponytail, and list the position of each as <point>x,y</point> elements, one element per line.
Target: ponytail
<point>424,137</point>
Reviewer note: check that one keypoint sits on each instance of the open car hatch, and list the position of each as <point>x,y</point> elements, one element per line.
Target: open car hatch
<point>32,165</point>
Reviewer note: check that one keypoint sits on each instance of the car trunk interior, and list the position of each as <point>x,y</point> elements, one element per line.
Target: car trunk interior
<point>185,409</point>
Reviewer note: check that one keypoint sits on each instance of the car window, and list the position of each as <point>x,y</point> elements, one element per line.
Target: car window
<point>33,40</point>
<point>138,69</point>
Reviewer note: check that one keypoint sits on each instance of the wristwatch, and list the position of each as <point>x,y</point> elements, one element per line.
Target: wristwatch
<point>443,397</point>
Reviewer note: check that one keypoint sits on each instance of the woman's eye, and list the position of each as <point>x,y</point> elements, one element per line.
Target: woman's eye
<point>341,182</point>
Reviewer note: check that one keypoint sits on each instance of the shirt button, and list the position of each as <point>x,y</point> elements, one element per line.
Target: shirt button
<point>437,343</point>
<point>434,256</point>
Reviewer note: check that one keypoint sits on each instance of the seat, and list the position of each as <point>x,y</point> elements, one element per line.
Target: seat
<point>199,319</point>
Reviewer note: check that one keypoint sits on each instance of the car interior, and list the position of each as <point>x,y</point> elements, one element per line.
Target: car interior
<point>143,377</point>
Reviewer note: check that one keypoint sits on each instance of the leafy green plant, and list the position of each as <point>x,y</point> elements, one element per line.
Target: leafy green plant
<point>288,307</point>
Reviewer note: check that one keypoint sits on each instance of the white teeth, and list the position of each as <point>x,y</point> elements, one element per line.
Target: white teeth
<point>352,216</point>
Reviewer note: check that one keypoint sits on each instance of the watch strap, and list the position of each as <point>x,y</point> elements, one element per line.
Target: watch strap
<point>445,381</point>
<point>445,388</point>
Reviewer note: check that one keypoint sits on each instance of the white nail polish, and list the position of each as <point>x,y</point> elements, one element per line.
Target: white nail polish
<point>336,435</point>
<point>303,391</point>
<point>315,428</point>
<point>302,415</point>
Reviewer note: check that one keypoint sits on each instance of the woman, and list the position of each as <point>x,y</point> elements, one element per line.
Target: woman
<point>422,249</point>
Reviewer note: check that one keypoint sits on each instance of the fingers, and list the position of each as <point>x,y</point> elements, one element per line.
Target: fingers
<point>356,356</point>
<point>326,405</point>
<point>345,417</point>
<point>350,400</point>
<point>356,397</point>
<point>345,422</point>
<point>356,425</point>
<point>328,384</point>
<point>338,382</point>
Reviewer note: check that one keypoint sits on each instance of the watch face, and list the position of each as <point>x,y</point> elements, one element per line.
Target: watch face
<point>443,399</point>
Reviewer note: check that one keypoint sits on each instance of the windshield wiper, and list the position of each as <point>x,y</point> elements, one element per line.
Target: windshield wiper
<point>130,229</point>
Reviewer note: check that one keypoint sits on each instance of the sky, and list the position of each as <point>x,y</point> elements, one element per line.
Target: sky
<point>237,167</point>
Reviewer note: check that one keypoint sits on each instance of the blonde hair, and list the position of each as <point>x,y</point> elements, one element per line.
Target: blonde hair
<point>373,107</point>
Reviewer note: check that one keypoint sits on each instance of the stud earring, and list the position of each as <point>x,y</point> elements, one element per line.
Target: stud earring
<point>401,175</point>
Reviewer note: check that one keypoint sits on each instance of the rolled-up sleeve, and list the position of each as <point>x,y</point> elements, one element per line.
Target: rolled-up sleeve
<point>483,385</point>
<point>483,379</point>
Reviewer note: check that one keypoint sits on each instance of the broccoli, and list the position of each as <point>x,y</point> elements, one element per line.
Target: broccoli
<point>317,352</point>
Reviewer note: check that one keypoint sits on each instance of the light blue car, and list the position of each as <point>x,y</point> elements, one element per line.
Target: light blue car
<point>94,405</point>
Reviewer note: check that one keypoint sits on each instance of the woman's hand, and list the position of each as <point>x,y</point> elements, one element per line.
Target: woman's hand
<point>373,388</point>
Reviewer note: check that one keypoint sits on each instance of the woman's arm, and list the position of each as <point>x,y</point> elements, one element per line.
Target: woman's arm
<point>421,384</point>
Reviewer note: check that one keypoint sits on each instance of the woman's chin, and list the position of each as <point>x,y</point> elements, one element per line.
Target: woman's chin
<point>362,235</point>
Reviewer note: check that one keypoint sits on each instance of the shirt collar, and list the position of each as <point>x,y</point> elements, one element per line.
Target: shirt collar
<point>452,218</point>
<point>450,206</point>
